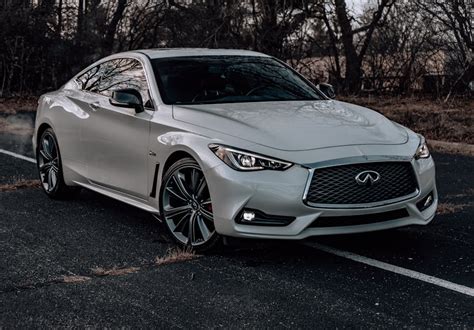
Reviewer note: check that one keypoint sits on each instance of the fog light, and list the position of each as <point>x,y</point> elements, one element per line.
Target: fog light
<point>428,201</point>
<point>248,216</point>
<point>425,202</point>
<point>258,218</point>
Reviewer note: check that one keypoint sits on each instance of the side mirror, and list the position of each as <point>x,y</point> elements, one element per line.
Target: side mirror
<point>328,90</point>
<point>127,98</point>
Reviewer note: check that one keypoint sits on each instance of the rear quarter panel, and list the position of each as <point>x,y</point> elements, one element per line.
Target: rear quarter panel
<point>59,111</point>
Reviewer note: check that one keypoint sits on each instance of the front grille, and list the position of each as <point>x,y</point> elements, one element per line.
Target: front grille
<point>354,220</point>
<point>338,185</point>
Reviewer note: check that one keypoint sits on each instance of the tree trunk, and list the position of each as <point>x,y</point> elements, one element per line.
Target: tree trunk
<point>59,26</point>
<point>269,34</point>
<point>112,28</point>
<point>352,83</point>
<point>80,20</point>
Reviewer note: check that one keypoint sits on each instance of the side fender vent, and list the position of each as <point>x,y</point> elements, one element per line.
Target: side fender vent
<point>155,178</point>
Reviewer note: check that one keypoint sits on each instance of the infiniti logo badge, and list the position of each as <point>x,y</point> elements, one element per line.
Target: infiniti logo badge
<point>367,178</point>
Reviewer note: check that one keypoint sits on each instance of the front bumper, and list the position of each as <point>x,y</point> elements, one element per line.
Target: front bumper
<point>282,193</point>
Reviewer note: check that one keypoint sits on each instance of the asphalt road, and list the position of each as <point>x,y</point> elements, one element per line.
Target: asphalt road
<point>259,284</point>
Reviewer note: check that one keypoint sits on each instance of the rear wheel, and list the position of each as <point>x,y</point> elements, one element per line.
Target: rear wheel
<point>186,206</point>
<point>48,160</point>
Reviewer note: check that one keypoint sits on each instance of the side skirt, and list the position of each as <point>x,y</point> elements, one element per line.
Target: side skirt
<point>118,196</point>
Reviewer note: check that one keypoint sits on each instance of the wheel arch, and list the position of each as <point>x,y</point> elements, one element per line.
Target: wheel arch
<point>173,146</point>
<point>174,157</point>
<point>41,128</point>
<point>178,153</point>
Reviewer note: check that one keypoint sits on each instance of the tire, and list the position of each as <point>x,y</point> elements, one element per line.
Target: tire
<point>50,169</point>
<point>186,207</point>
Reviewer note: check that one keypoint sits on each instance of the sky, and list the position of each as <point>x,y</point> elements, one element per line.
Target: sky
<point>356,5</point>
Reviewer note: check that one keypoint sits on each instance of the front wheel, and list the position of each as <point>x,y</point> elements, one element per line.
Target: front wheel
<point>186,206</point>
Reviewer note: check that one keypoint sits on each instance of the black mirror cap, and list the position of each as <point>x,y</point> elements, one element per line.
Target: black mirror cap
<point>127,98</point>
<point>328,90</point>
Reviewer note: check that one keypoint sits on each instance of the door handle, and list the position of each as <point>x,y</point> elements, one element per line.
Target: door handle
<point>94,106</point>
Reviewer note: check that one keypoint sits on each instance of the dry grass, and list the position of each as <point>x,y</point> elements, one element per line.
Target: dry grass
<point>172,256</point>
<point>451,147</point>
<point>20,184</point>
<point>99,271</point>
<point>15,127</point>
<point>75,279</point>
<point>14,105</point>
<point>466,193</point>
<point>452,121</point>
<point>175,255</point>
<point>450,208</point>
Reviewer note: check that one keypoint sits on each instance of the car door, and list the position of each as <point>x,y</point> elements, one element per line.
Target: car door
<point>116,138</point>
<point>76,105</point>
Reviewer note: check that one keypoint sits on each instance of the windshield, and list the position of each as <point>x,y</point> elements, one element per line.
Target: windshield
<point>229,79</point>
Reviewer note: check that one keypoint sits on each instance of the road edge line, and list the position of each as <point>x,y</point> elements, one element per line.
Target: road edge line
<point>13,154</point>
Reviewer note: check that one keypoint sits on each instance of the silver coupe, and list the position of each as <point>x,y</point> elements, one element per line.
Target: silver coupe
<point>232,143</point>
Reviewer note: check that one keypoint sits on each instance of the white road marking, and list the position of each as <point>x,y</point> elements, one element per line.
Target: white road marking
<point>395,269</point>
<point>9,153</point>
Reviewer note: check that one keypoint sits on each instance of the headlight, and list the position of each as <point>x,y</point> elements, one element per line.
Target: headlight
<point>245,161</point>
<point>422,151</point>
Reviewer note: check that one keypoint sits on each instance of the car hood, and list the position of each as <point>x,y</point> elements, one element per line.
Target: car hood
<point>295,125</point>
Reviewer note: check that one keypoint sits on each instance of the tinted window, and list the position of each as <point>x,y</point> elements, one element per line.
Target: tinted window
<point>225,79</point>
<point>114,75</point>
<point>89,81</point>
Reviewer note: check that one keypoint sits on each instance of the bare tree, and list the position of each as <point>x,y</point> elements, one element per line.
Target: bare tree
<point>389,42</point>
<point>355,40</point>
<point>456,20</point>
<point>401,52</point>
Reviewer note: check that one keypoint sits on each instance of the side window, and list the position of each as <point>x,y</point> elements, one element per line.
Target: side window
<point>89,81</point>
<point>123,73</point>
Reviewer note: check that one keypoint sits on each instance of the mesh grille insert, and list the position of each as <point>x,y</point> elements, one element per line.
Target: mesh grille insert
<point>359,219</point>
<point>338,185</point>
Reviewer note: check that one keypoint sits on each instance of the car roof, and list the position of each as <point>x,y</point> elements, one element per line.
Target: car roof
<point>182,52</point>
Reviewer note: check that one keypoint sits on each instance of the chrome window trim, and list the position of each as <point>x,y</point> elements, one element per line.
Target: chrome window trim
<point>358,160</point>
<point>113,58</point>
